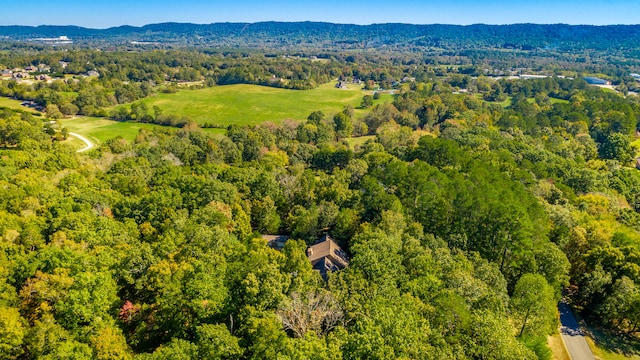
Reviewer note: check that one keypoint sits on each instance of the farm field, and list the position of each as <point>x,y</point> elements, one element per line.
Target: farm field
<point>252,104</point>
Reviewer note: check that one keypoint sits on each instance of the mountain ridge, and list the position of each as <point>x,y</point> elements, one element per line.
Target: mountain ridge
<point>278,34</point>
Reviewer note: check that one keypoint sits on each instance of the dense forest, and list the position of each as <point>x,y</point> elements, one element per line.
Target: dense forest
<point>476,203</point>
<point>300,35</point>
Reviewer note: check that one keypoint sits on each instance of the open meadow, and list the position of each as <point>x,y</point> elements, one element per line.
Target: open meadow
<point>98,130</point>
<point>15,105</point>
<point>222,105</point>
<point>252,104</point>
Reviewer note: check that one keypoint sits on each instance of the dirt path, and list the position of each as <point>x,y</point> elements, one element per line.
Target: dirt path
<point>88,144</point>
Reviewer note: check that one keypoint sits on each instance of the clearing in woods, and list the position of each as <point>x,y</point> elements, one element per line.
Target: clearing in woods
<point>253,104</point>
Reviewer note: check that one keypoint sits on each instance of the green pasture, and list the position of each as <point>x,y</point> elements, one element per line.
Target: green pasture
<point>15,104</point>
<point>99,130</point>
<point>251,104</point>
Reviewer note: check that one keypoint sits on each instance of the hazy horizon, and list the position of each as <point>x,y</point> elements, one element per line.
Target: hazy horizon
<point>102,15</point>
<point>303,21</point>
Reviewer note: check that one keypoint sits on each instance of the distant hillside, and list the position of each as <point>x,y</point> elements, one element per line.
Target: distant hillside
<point>276,35</point>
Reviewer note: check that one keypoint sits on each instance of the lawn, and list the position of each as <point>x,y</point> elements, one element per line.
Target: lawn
<point>15,104</point>
<point>251,104</point>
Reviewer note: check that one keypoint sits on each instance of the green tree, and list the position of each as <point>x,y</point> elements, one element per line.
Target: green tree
<point>343,125</point>
<point>367,101</point>
<point>616,147</point>
<point>264,216</point>
<point>534,306</point>
<point>216,342</point>
<point>12,332</point>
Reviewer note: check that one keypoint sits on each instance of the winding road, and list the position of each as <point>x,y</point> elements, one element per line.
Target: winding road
<point>88,144</point>
<point>572,335</point>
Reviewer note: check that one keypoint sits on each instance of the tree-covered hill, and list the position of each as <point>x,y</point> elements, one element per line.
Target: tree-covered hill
<point>459,242</point>
<point>556,37</point>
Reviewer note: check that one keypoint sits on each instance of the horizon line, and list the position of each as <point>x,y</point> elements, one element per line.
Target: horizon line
<point>310,21</point>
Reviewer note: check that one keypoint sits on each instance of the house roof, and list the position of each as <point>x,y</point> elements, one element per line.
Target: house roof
<point>327,248</point>
<point>276,241</point>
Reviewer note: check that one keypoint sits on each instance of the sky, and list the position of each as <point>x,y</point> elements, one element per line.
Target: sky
<point>101,14</point>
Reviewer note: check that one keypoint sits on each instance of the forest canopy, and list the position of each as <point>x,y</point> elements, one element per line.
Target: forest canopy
<point>465,205</point>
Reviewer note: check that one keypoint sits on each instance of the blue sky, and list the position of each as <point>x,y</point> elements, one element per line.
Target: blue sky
<point>103,14</point>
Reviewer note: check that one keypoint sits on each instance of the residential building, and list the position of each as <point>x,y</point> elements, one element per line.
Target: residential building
<point>276,241</point>
<point>326,256</point>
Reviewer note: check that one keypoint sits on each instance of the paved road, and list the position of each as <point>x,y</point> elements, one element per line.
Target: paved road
<point>88,143</point>
<point>572,335</point>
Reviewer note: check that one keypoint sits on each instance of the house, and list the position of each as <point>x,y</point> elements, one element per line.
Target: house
<point>20,75</point>
<point>43,77</point>
<point>31,68</point>
<point>341,85</point>
<point>6,73</point>
<point>44,68</point>
<point>326,256</point>
<point>276,241</point>
<point>93,73</point>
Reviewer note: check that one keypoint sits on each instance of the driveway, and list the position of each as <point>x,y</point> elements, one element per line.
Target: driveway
<point>572,335</point>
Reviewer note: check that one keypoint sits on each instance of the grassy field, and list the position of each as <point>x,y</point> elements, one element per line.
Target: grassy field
<point>252,104</point>
<point>504,104</point>
<point>15,104</point>
<point>356,141</point>
<point>98,130</point>
<point>74,142</point>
